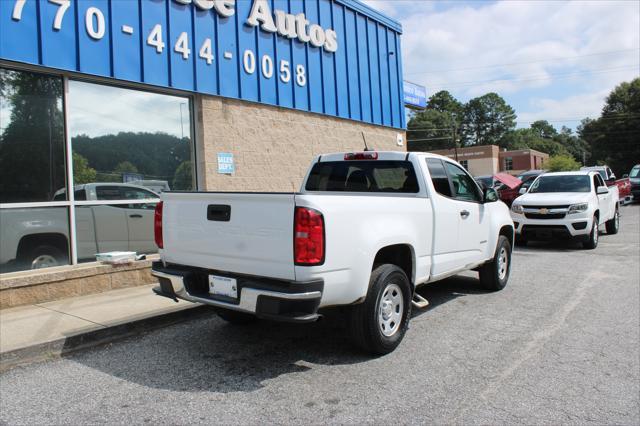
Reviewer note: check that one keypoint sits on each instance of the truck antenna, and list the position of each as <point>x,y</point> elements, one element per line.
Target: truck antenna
<point>366,148</point>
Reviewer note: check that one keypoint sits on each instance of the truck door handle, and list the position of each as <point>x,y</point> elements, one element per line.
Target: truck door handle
<point>136,216</point>
<point>464,214</point>
<point>219,212</point>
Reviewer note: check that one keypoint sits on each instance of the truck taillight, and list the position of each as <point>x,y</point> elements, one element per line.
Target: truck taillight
<point>308,237</point>
<point>157,225</point>
<point>369,155</point>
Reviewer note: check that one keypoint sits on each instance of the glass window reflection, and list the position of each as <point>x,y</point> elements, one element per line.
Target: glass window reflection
<point>32,159</point>
<point>128,136</point>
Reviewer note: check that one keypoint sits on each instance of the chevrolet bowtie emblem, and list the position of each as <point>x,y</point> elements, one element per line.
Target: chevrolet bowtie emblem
<point>544,211</point>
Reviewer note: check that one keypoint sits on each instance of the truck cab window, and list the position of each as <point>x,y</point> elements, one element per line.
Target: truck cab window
<point>439,177</point>
<point>464,186</point>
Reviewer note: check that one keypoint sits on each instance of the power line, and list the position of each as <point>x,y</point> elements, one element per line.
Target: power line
<point>523,63</point>
<point>549,77</point>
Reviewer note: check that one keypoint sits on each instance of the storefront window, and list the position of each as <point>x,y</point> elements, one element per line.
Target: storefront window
<point>127,147</point>
<point>130,146</point>
<point>33,238</point>
<point>128,136</point>
<point>31,137</point>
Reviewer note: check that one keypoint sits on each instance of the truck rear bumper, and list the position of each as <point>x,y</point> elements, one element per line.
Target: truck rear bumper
<point>281,300</point>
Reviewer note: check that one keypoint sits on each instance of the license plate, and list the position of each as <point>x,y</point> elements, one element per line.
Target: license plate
<point>223,286</point>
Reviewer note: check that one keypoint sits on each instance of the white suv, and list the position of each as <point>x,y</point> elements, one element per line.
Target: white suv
<point>566,205</point>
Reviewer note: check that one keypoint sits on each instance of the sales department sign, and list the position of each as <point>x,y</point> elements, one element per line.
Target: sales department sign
<point>337,57</point>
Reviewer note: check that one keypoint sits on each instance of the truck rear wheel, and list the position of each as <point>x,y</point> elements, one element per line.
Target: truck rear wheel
<point>380,322</point>
<point>235,317</point>
<point>46,256</point>
<point>613,225</point>
<point>495,274</point>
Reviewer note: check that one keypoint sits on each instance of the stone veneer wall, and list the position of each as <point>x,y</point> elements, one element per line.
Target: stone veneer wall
<point>30,287</point>
<point>273,147</point>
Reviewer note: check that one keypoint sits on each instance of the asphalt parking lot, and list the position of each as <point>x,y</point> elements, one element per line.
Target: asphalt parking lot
<point>561,344</point>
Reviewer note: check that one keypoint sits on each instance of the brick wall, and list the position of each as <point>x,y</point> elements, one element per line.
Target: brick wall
<point>273,147</point>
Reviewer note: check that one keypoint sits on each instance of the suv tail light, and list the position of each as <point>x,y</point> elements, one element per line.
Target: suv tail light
<point>308,249</point>
<point>157,225</point>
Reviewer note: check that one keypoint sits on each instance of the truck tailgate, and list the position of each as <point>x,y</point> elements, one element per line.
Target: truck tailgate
<point>256,237</point>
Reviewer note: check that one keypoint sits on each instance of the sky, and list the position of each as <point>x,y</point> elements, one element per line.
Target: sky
<point>551,60</point>
<point>124,110</point>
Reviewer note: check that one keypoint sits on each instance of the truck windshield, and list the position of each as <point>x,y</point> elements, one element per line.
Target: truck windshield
<point>562,183</point>
<point>363,176</point>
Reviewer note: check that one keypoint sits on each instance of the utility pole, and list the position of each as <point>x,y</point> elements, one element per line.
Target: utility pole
<point>455,142</point>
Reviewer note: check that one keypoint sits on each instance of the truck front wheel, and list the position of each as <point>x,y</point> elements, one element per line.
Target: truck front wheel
<point>613,224</point>
<point>380,322</point>
<point>495,274</point>
<point>592,241</point>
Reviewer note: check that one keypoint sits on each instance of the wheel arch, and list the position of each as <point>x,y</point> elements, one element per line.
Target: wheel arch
<point>401,255</point>
<point>31,241</point>
<point>508,231</point>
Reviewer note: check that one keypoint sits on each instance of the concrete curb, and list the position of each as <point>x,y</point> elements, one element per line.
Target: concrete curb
<point>67,345</point>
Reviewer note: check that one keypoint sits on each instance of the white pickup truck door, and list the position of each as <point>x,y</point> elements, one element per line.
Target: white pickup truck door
<point>604,200</point>
<point>446,256</point>
<point>473,227</point>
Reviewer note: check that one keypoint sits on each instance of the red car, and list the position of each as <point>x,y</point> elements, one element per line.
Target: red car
<point>508,194</point>
<point>624,184</point>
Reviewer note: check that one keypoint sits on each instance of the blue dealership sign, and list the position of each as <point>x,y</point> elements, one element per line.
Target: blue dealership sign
<point>335,57</point>
<point>415,96</point>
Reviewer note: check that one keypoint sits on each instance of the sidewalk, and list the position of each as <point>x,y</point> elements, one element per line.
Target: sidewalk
<point>47,330</point>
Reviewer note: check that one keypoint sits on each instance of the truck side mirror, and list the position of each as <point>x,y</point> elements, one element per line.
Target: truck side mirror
<point>626,175</point>
<point>522,191</point>
<point>490,195</point>
<point>602,190</point>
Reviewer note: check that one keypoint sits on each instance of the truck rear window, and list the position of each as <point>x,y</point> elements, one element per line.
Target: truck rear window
<point>363,176</point>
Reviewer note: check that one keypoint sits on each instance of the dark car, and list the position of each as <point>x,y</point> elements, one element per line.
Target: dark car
<point>634,179</point>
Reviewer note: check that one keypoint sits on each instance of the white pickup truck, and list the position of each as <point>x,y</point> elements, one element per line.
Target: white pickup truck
<point>566,205</point>
<point>364,231</point>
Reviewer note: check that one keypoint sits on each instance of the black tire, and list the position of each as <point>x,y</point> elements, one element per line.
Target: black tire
<point>365,326</point>
<point>521,241</point>
<point>613,225</point>
<point>592,242</point>
<point>235,317</point>
<point>45,256</point>
<point>494,274</point>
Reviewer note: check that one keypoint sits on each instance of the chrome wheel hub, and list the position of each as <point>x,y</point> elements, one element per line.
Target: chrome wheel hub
<point>503,263</point>
<point>44,261</point>
<point>390,310</point>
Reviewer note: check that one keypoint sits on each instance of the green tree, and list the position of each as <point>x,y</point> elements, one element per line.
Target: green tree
<point>430,130</point>
<point>443,101</point>
<point>573,144</point>
<point>183,179</point>
<point>82,172</point>
<point>614,136</point>
<point>544,129</point>
<point>125,167</point>
<point>562,163</point>
<point>487,120</point>
<point>436,126</point>
<point>32,142</point>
